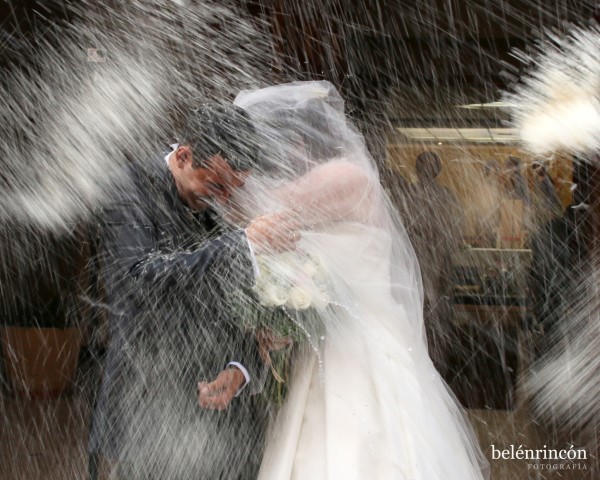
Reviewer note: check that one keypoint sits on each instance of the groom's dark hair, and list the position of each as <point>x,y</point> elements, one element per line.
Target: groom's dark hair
<point>221,129</point>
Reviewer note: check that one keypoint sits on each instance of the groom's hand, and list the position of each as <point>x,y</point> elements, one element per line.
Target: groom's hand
<point>274,232</point>
<point>217,394</point>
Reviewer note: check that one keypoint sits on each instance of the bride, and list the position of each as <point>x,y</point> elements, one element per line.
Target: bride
<point>364,399</point>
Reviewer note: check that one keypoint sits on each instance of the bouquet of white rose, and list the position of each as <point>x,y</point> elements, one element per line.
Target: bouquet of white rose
<point>291,290</point>
<point>292,279</point>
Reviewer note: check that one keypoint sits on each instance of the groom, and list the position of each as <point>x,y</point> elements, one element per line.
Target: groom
<point>176,397</point>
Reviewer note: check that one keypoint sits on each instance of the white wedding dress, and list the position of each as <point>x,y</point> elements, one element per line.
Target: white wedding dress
<point>366,402</point>
<point>373,406</point>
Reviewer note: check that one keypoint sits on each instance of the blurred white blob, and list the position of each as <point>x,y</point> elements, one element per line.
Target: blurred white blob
<point>65,157</point>
<point>557,104</point>
<point>82,105</point>
<point>564,387</point>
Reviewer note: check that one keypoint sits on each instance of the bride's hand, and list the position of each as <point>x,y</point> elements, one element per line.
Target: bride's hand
<point>270,342</point>
<point>276,232</point>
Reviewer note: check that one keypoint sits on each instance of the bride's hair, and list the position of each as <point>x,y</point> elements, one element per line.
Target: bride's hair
<point>293,141</point>
<point>319,135</point>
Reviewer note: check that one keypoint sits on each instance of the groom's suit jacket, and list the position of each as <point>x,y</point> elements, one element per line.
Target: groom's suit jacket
<point>169,273</point>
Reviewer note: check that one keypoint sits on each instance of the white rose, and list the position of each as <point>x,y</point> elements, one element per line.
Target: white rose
<point>310,269</point>
<point>320,299</point>
<point>272,295</point>
<point>321,276</point>
<point>299,298</point>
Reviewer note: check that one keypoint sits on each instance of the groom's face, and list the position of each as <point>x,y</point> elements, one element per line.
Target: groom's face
<point>200,186</point>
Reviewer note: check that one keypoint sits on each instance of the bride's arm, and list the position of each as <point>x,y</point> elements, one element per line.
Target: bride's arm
<point>337,190</point>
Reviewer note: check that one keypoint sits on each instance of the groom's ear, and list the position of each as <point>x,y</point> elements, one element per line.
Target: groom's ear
<point>183,156</point>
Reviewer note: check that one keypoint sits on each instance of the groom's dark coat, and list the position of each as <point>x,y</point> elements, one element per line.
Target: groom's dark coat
<point>168,272</point>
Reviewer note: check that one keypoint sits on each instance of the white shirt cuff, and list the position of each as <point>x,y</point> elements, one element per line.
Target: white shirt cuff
<point>253,257</point>
<point>242,369</point>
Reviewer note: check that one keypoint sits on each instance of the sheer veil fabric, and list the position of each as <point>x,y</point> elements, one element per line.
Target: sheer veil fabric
<point>364,398</point>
